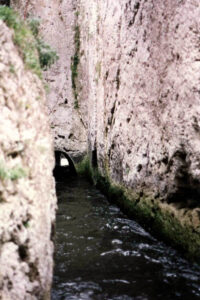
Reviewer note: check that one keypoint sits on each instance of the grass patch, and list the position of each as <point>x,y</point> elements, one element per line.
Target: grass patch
<point>12,173</point>
<point>47,56</point>
<point>83,168</point>
<point>36,54</point>
<point>23,38</point>
<point>12,69</point>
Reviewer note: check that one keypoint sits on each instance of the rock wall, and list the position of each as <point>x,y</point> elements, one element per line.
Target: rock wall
<point>27,191</point>
<point>141,62</point>
<point>133,75</point>
<point>58,22</point>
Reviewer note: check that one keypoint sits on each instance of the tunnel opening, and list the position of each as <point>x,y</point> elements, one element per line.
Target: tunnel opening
<point>64,166</point>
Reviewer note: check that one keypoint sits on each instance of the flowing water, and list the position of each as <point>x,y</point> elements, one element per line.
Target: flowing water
<point>101,254</point>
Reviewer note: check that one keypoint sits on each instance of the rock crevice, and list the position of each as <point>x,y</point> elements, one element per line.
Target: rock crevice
<point>137,92</point>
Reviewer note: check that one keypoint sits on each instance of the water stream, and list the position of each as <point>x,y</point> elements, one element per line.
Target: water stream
<point>101,254</point>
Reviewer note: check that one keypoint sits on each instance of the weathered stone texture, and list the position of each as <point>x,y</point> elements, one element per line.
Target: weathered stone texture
<point>58,19</point>
<point>27,191</point>
<point>143,82</point>
<point>138,93</point>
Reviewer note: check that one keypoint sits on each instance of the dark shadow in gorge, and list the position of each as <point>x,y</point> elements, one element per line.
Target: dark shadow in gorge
<point>5,2</point>
<point>63,172</point>
<point>101,254</point>
<point>187,189</point>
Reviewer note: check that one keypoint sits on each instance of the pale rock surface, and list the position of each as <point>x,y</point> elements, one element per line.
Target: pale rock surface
<point>58,20</point>
<point>27,189</point>
<point>138,92</point>
<point>143,89</point>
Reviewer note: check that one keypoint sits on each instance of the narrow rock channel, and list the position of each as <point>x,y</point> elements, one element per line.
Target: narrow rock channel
<point>101,254</point>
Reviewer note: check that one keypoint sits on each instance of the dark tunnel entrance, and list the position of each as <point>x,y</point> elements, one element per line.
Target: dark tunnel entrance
<point>64,167</point>
<point>5,2</point>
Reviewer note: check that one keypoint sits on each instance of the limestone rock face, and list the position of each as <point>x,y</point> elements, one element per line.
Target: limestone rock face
<point>58,21</point>
<point>137,87</point>
<point>143,101</point>
<point>143,84</point>
<point>27,192</point>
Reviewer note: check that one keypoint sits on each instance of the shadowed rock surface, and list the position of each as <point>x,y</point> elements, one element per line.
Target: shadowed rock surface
<point>63,172</point>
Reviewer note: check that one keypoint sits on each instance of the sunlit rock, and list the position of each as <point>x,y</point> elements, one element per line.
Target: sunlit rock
<point>27,191</point>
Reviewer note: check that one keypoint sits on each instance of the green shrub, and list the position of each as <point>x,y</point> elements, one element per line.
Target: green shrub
<point>17,173</point>
<point>11,173</point>
<point>23,38</point>
<point>34,25</point>
<point>83,168</point>
<point>36,54</point>
<point>47,56</point>
<point>3,173</point>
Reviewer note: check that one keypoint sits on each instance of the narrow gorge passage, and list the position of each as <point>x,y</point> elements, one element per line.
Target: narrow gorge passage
<point>101,254</point>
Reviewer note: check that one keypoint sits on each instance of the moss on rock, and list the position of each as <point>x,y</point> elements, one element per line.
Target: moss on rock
<point>37,55</point>
<point>23,38</point>
<point>148,211</point>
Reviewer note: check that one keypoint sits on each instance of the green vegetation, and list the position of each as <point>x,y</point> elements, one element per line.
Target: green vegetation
<point>84,168</point>
<point>12,69</point>
<point>36,54</point>
<point>12,173</point>
<point>74,64</point>
<point>98,71</point>
<point>23,38</point>
<point>47,56</point>
<point>26,224</point>
<point>34,25</point>
<point>147,210</point>
<point>3,173</point>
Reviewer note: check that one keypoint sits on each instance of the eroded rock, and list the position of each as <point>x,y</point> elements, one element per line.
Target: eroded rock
<point>138,95</point>
<point>27,191</point>
<point>58,22</point>
<point>144,103</point>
